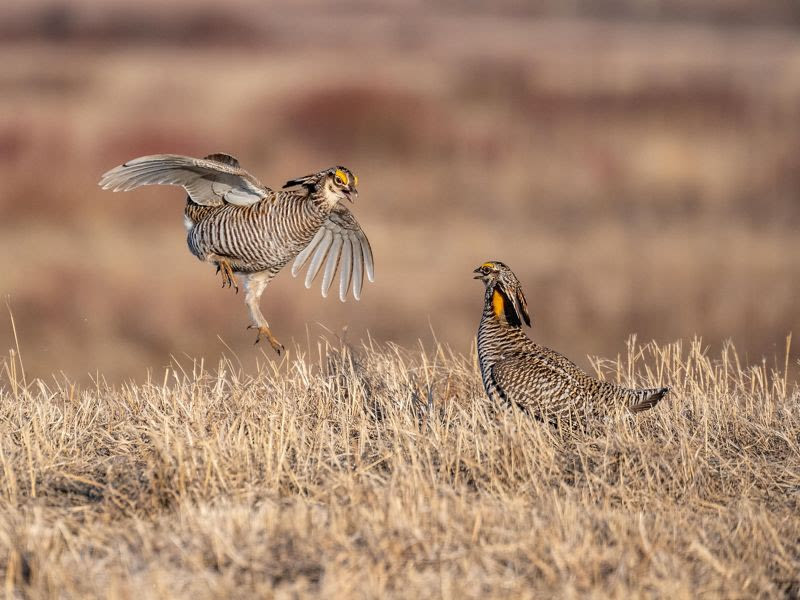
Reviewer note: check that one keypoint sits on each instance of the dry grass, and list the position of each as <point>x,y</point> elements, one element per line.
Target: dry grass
<point>382,471</point>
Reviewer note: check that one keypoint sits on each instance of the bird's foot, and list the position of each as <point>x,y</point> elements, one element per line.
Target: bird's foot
<point>228,279</point>
<point>264,330</point>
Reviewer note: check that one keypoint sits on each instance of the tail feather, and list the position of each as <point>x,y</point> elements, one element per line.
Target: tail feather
<point>647,399</point>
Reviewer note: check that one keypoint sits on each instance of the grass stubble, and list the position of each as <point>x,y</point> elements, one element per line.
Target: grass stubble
<point>382,471</point>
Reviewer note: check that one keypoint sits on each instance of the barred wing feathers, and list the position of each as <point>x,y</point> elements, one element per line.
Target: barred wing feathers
<point>340,244</point>
<point>539,383</point>
<point>212,181</point>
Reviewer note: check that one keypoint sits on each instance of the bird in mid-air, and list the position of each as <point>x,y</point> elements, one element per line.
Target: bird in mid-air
<point>247,229</point>
<point>518,371</point>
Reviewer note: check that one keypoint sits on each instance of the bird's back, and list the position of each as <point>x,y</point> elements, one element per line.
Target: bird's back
<point>549,385</point>
<point>518,371</point>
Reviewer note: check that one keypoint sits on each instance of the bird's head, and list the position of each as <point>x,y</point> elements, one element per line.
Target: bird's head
<point>334,184</point>
<point>341,182</point>
<point>504,293</point>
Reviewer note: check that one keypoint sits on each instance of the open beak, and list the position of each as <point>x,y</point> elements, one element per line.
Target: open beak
<point>351,193</point>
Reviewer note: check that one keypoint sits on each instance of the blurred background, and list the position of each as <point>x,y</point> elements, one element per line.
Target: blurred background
<point>637,163</point>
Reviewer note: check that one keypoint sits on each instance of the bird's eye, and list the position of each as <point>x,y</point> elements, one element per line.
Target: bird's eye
<point>341,177</point>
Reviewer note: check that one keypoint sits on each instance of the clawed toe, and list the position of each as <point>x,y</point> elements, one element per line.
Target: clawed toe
<point>276,345</point>
<point>228,279</point>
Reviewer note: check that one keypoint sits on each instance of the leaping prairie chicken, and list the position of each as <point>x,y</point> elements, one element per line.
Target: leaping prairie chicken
<point>518,371</point>
<point>247,229</point>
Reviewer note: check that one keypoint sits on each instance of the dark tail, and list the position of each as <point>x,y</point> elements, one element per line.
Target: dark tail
<point>647,399</point>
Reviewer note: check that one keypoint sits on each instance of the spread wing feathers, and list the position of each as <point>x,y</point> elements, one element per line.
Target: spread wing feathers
<point>339,244</point>
<point>209,181</point>
<point>539,384</point>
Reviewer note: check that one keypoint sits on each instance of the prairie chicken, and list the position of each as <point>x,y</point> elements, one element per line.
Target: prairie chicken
<point>247,229</point>
<point>516,370</point>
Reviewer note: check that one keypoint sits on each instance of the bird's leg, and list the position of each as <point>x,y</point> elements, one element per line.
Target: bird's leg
<point>228,278</point>
<point>255,285</point>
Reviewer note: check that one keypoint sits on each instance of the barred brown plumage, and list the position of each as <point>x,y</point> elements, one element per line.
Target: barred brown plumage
<point>245,228</point>
<point>517,371</point>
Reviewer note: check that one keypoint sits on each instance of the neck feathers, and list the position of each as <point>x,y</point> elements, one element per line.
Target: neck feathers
<point>497,333</point>
<point>500,307</point>
<point>324,196</point>
<point>504,309</point>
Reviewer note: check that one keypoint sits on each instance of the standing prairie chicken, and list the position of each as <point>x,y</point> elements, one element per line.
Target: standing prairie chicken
<point>245,228</point>
<point>518,371</point>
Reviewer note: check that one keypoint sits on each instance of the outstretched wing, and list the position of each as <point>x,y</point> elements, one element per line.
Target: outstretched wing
<point>339,244</point>
<point>209,181</point>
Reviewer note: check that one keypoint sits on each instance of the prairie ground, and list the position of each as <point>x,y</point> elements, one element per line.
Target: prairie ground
<point>375,471</point>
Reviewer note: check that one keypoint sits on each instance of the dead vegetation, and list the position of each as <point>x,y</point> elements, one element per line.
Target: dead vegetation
<point>381,471</point>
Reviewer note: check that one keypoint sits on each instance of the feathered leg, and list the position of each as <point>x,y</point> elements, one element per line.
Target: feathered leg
<point>255,284</point>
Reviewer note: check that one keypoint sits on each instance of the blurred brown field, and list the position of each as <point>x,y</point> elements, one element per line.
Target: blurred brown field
<point>638,169</point>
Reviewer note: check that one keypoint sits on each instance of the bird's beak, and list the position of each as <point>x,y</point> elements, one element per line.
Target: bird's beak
<point>351,193</point>
<point>479,274</point>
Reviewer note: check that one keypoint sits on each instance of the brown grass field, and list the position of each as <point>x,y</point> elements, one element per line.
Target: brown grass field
<point>636,163</point>
<point>377,471</point>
